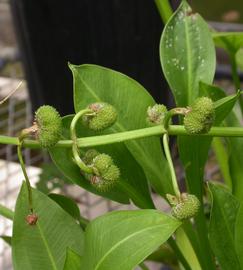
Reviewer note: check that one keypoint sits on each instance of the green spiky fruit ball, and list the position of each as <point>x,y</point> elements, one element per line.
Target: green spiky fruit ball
<point>104,115</point>
<point>156,114</point>
<point>49,126</point>
<point>201,117</point>
<point>185,207</point>
<point>105,172</point>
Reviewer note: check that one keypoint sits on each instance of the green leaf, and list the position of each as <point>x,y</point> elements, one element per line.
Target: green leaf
<point>73,261</point>
<point>230,41</point>
<point>239,59</point>
<point>223,104</point>
<point>50,178</point>
<point>195,157</point>
<point>239,234</point>
<point>164,254</point>
<point>187,54</point>
<point>235,146</point>
<point>132,183</point>
<point>94,83</point>
<point>63,160</point>
<point>222,227</point>
<point>6,239</point>
<point>121,240</point>
<point>43,246</point>
<point>67,204</point>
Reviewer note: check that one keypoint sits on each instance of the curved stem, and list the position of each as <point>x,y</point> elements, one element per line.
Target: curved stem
<point>172,112</point>
<point>170,163</point>
<point>21,161</point>
<point>75,149</point>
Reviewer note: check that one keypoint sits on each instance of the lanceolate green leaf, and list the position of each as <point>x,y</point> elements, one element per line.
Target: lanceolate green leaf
<point>222,227</point>
<point>67,204</point>
<point>230,41</point>
<point>132,184</point>
<point>121,240</point>
<point>235,145</point>
<point>73,261</point>
<point>43,246</point>
<point>187,54</point>
<point>195,156</point>
<point>94,83</point>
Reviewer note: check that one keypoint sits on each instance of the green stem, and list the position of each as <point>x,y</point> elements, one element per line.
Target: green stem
<point>164,9</point>
<point>21,161</point>
<point>179,255</point>
<point>6,212</point>
<point>75,149</point>
<point>128,135</point>
<point>170,163</point>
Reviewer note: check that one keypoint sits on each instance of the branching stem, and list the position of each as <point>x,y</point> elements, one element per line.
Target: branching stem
<point>128,135</point>
<point>75,148</point>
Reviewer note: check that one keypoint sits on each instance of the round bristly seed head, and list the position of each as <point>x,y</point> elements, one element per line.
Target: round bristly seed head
<point>107,180</point>
<point>187,207</point>
<point>102,162</point>
<point>89,156</point>
<point>201,117</point>
<point>156,114</point>
<point>105,173</point>
<point>104,115</point>
<point>49,126</point>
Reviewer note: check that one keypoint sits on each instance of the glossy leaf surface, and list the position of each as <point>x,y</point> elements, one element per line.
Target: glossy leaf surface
<point>43,246</point>
<point>121,240</point>
<point>94,83</point>
<point>230,41</point>
<point>187,54</point>
<point>132,183</point>
<point>222,227</point>
<point>73,261</point>
<point>67,204</point>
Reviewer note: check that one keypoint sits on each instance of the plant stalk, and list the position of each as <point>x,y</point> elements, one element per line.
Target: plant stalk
<point>164,9</point>
<point>21,161</point>
<point>171,166</point>
<point>75,148</point>
<point>6,212</point>
<point>128,135</point>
